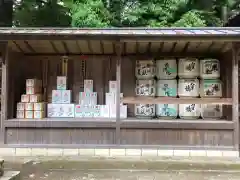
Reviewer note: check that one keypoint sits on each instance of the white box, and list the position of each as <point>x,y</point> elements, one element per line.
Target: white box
<point>29,114</point>
<point>20,106</point>
<point>34,98</point>
<point>87,111</point>
<point>41,106</point>
<point>33,90</point>
<point>53,110</point>
<point>67,110</point>
<point>33,83</point>
<point>66,96</point>
<point>56,96</point>
<point>61,83</point>
<point>113,86</point>
<point>88,98</point>
<point>25,98</point>
<point>123,111</point>
<point>29,106</point>
<point>111,98</point>
<point>39,114</point>
<point>104,111</point>
<point>20,114</point>
<point>88,85</point>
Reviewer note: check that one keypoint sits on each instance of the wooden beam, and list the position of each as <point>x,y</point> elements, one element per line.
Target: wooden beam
<point>65,47</point>
<point>18,46</point>
<point>55,49</point>
<point>4,89</point>
<point>118,47</point>
<point>235,96</point>
<point>29,47</point>
<point>167,100</point>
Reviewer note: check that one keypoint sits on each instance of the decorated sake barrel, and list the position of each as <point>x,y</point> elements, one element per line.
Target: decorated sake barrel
<point>188,68</point>
<point>145,87</point>
<point>167,111</point>
<point>188,88</point>
<point>166,88</point>
<point>189,111</point>
<point>211,88</point>
<point>145,69</point>
<point>145,110</point>
<point>210,69</point>
<point>211,111</point>
<point>166,69</point>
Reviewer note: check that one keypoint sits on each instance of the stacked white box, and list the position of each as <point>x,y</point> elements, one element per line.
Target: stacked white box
<point>88,98</point>
<point>111,100</point>
<point>61,100</point>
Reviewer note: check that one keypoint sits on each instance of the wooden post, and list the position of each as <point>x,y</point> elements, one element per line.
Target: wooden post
<point>118,77</point>
<point>235,115</point>
<point>4,92</point>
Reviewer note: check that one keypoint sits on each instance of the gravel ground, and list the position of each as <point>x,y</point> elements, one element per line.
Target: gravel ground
<point>125,170</point>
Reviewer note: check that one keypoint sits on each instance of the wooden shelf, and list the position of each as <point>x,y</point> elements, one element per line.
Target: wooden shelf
<point>167,100</point>
<point>129,123</point>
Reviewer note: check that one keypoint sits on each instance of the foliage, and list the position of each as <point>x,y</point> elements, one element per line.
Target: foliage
<point>122,13</point>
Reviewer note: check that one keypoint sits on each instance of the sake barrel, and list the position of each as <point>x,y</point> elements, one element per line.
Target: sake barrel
<point>209,69</point>
<point>166,88</point>
<point>211,111</point>
<point>166,69</point>
<point>145,69</point>
<point>167,111</point>
<point>188,68</point>
<point>189,111</point>
<point>211,88</point>
<point>188,88</point>
<point>145,87</point>
<point>145,110</point>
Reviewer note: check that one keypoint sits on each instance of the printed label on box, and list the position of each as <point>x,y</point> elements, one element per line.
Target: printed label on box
<point>29,106</point>
<point>61,83</point>
<point>33,82</point>
<point>113,86</point>
<point>88,98</point>
<point>35,98</point>
<point>29,114</point>
<point>88,85</point>
<point>33,90</point>
<point>66,96</point>
<point>20,114</point>
<point>20,106</point>
<point>39,114</point>
<point>56,96</point>
<point>25,98</point>
<point>39,106</point>
<point>53,110</point>
<point>67,110</point>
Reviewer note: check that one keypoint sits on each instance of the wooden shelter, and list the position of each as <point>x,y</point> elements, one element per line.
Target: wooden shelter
<point>110,54</point>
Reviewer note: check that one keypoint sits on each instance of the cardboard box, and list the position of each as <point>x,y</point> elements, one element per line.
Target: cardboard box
<point>39,114</point>
<point>56,96</point>
<point>33,90</point>
<point>123,111</point>
<point>66,96</point>
<point>88,98</point>
<point>29,107</point>
<point>67,110</point>
<point>25,98</point>
<point>104,111</point>
<point>113,86</point>
<point>20,106</point>
<point>20,114</point>
<point>87,111</point>
<point>29,114</point>
<point>33,83</point>
<point>53,110</point>
<point>61,83</point>
<point>41,106</point>
<point>111,98</point>
<point>88,85</point>
<point>34,98</point>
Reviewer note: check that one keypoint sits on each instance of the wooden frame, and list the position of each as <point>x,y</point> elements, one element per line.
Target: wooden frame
<point>120,126</point>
